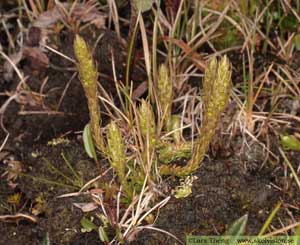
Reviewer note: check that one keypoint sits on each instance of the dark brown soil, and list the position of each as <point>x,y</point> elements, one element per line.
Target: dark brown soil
<point>29,135</point>
<point>60,219</point>
<point>223,192</point>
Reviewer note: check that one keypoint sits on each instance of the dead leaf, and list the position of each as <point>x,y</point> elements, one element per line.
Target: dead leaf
<point>86,207</point>
<point>48,18</point>
<point>86,13</point>
<point>132,235</point>
<point>96,191</point>
<point>38,60</point>
<point>82,12</point>
<point>194,56</point>
<point>13,168</point>
<point>140,90</point>
<point>34,36</point>
<point>29,98</point>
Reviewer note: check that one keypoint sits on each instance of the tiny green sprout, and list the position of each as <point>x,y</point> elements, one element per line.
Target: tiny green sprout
<point>103,219</point>
<point>175,126</point>
<point>290,142</point>
<point>87,225</point>
<point>297,42</point>
<point>185,187</point>
<point>40,205</point>
<point>102,234</point>
<point>142,5</point>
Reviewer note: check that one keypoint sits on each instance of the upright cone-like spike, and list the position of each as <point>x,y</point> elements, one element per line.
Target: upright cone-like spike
<point>147,122</point>
<point>117,156</point>
<point>164,92</point>
<point>116,149</point>
<point>148,132</point>
<point>88,77</point>
<point>209,79</point>
<point>216,89</point>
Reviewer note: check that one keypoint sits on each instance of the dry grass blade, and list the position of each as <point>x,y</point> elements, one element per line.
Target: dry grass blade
<point>160,230</point>
<point>17,217</point>
<point>291,167</point>
<point>209,33</point>
<point>113,13</point>
<point>282,230</point>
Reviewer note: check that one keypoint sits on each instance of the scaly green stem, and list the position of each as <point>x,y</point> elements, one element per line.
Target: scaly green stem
<point>89,76</point>
<point>116,153</point>
<point>164,92</point>
<point>148,132</point>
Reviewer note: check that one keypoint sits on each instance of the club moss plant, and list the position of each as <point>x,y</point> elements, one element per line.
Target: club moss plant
<point>89,77</point>
<point>142,155</point>
<point>216,93</point>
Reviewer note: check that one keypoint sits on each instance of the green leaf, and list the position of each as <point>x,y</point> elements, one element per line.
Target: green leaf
<point>269,219</point>
<point>297,234</point>
<point>289,23</point>
<point>102,234</point>
<point>104,220</point>
<point>143,5</point>
<point>237,228</point>
<point>290,142</point>
<point>88,142</point>
<point>297,41</point>
<point>46,239</point>
<point>87,225</point>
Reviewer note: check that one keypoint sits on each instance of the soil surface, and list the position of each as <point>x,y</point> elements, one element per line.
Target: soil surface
<point>223,192</point>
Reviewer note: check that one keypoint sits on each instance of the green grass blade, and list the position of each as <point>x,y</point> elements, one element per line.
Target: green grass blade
<point>269,219</point>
